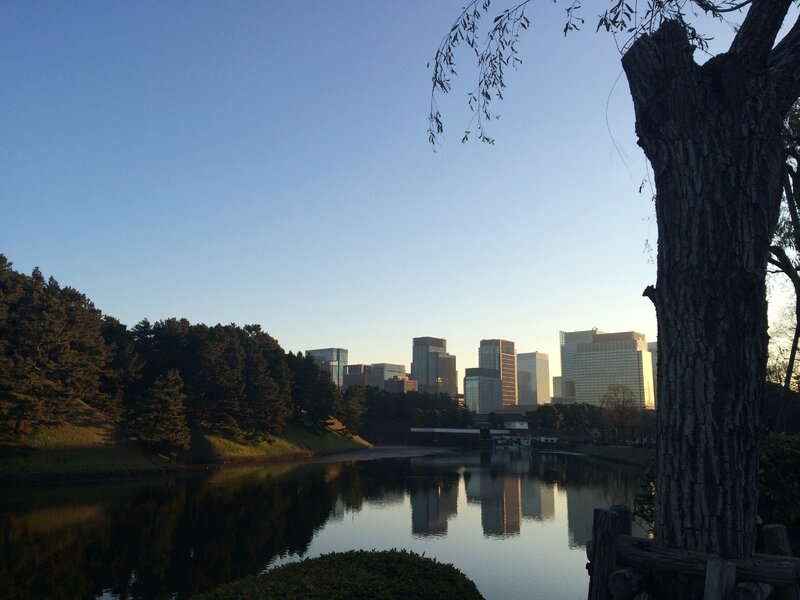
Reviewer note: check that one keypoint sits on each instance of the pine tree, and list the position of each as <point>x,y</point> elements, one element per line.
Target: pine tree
<point>160,422</point>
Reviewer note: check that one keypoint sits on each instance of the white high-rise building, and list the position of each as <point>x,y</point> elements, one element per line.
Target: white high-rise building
<point>653,347</point>
<point>618,359</point>
<point>533,378</point>
<point>569,341</point>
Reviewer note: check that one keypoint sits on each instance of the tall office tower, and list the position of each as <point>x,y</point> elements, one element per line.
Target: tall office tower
<point>333,360</point>
<point>500,355</point>
<point>614,359</point>
<point>653,347</point>
<point>446,375</point>
<point>533,378</point>
<point>380,372</point>
<point>557,386</point>
<point>483,392</point>
<point>356,375</point>
<point>569,347</point>
<point>433,367</point>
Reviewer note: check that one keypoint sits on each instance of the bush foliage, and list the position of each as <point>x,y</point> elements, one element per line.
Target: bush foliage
<point>355,574</point>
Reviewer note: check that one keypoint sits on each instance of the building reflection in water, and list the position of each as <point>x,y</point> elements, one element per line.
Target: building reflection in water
<point>431,507</point>
<point>500,504</point>
<point>538,499</point>
<point>512,486</point>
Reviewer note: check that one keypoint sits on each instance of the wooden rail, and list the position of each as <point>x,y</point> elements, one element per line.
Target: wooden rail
<point>619,564</point>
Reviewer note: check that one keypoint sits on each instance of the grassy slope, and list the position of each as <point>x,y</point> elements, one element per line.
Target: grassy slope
<point>87,443</point>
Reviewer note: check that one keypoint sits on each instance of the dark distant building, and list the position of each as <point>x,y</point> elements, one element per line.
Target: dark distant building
<point>400,385</point>
<point>333,360</point>
<point>483,392</point>
<point>433,367</point>
<point>557,387</point>
<point>356,375</point>
<point>501,356</point>
<point>380,372</point>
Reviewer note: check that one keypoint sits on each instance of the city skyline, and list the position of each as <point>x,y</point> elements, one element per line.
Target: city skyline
<point>216,163</point>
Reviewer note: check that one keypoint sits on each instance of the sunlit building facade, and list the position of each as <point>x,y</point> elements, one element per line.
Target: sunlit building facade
<point>619,359</point>
<point>533,378</point>
<point>501,356</point>
<point>569,341</point>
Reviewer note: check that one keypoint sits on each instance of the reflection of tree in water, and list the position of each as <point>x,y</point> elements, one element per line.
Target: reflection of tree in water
<point>181,535</point>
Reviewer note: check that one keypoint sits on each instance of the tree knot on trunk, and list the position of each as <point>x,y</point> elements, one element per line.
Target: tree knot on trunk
<point>650,292</point>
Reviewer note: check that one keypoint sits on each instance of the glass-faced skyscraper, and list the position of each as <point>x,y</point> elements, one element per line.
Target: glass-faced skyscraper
<point>333,360</point>
<point>433,367</point>
<point>482,390</point>
<point>501,356</point>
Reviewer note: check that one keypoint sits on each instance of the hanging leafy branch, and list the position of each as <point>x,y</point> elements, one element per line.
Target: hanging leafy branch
<point>498,50</point>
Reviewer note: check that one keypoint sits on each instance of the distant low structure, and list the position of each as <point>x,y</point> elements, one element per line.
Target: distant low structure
<point>400,385</point>
<point>356,375</point>
<point>433,436</point>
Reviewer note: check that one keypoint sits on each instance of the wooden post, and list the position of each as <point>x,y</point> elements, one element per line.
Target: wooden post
<point>644,555</point>
<point>625,584</point>
<point>749,590</point>
<point>720,579</point>
<point>608,525</point>
<point>776,541</point>
<point>624,513</point>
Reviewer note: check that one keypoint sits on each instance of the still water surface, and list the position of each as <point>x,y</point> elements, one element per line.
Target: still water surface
<point>515,522</point>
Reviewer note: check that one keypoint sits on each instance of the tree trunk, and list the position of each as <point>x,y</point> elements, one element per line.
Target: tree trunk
<point>712,135</point>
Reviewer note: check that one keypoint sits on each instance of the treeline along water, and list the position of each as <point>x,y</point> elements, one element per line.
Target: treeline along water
<point>513,522</point>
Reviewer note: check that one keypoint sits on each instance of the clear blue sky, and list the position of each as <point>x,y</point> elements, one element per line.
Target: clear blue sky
<point>268,162</point>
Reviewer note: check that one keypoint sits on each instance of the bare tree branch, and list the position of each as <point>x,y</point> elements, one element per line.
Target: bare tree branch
<point>784,66</point>
<point>754,40</point>
<point>716,9</point>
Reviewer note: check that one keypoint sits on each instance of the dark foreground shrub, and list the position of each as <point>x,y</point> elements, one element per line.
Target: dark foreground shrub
<point>355,574</point>
<point>779,483</point>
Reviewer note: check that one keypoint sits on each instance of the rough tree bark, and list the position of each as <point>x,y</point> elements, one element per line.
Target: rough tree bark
<point>712,134</point>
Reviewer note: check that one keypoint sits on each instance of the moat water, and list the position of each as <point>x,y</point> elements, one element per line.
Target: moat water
<point>515,522</point>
